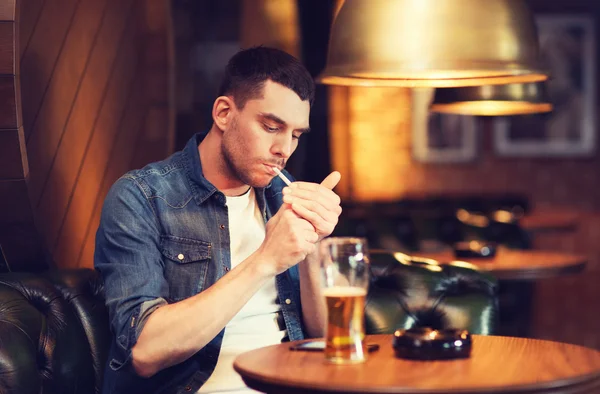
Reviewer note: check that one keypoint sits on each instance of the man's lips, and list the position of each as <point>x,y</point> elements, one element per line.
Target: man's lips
<point>270,168</point>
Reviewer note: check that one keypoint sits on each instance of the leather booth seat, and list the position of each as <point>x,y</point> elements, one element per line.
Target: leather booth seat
<point>408,292</point>
<point>54,329</point>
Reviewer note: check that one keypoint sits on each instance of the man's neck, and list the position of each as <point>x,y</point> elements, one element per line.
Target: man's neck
<point>215,168</point>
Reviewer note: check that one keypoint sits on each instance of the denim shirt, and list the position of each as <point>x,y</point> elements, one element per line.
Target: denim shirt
<point>164,237</point>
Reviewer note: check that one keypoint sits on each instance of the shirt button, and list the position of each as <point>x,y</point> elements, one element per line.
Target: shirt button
<point>180,256</point>
<point>222,226</point>
<point>288,301</point>
<point>226,269</point>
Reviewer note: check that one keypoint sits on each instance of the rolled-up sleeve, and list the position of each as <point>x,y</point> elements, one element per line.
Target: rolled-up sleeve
<point>128,258</point>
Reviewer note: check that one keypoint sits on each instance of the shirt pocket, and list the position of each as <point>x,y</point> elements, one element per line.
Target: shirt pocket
<point>186,265</point>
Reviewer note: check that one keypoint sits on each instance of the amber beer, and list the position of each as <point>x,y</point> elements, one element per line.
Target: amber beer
<point>345,324</point>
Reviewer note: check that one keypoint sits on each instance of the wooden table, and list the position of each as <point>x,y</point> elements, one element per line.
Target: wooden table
<point>519,264</point>
<point>550,220</point>
<point>496,365</point>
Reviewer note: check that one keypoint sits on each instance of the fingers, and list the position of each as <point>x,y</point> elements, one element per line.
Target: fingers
<point>310,247</point>
<point>321,225</point>
<point>331,180</point>
<point>314,190</point>
<point>316,203</point>
<point>325,211</point>
<point>328,183</point>
<point>327,199</point>
<point>311,236</point>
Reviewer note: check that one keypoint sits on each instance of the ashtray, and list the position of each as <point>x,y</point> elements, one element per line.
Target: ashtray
<point>475,249</point>
<point>424,343</point>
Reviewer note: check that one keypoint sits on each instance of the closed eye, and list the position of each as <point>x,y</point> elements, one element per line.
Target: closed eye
<point>270,129</point>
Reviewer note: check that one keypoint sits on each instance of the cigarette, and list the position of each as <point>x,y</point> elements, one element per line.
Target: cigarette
<point>283,177</point>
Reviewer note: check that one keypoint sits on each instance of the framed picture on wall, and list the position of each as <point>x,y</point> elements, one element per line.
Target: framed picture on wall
<point>567,45</point>
<point>440,138</point>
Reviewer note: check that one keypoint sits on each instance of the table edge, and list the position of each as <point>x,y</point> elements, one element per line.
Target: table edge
<point>543,387</point>
<point>535,273</point>
<point>258,383</point>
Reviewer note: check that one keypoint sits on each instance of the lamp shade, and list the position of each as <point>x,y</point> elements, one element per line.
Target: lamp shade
<point>493,100</point>
<point>432,43</point>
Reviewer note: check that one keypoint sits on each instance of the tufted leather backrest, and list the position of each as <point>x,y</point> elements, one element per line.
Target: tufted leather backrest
<point>54,328</point>
<point>54,333</point>
<point>410,292</point>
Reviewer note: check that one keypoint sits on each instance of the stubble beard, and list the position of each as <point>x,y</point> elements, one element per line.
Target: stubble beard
<point>236,168</point>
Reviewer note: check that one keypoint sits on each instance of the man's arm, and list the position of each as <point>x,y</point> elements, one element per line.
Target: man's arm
<point>174,332</point>
<point>129,259</point>
<point>314,311</point>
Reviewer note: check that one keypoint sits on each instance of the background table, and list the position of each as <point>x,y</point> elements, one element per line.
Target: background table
<point>519,264</point>
<point>550,220</point>
<point>496,365</point>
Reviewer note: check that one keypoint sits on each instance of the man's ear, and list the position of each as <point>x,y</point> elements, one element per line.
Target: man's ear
<point>222,112</point>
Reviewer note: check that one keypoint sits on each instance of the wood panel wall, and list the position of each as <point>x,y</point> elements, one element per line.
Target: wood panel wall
<point>18,236</point>
<point>95,79</point>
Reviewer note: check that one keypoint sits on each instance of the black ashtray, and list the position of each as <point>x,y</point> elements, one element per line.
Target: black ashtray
<point>428,344</point>
<point>475,249</point>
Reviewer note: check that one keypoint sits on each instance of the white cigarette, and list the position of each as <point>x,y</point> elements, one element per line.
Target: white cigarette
<point>283,177</point>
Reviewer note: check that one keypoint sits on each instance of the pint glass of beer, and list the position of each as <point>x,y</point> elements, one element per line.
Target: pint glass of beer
<point>345,274</point>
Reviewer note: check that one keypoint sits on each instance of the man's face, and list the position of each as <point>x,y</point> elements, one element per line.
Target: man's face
<point>264,134</point>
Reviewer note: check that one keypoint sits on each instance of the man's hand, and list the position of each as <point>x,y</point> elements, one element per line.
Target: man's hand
<point>288,240</point>
<point>317,204</point>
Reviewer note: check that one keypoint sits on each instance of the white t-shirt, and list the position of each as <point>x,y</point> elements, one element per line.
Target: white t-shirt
<point>255,325</point>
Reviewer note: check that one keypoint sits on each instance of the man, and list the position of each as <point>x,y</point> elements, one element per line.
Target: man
<point>207,254</point>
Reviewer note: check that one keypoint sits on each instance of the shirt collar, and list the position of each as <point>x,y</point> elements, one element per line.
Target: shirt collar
<point>201,187</point>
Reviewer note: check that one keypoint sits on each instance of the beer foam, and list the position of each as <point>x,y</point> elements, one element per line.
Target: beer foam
<point>344,291</point>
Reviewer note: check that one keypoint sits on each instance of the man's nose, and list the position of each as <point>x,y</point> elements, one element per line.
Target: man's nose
<point>282,146</point>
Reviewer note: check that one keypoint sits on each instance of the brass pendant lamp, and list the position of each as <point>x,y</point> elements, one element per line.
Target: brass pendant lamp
<point>432,43</point>
<point>493,100</point>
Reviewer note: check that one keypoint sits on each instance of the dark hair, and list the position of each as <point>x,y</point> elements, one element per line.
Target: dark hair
<point>247,71</point>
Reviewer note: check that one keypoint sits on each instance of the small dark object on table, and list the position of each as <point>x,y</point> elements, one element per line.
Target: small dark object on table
<point>428,344</point>
<point>475,249</point>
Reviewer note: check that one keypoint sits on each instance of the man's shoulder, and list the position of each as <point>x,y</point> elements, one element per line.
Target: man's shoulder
<point>159,169</point>
<point>165,179</point>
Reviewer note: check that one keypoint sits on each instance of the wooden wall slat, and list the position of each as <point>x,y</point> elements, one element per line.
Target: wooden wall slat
<point>7,48</point>
<point>118,164</point>
<point>57,107</point>
<point>156,51</point>
<point>23,247</point>
<point>160,87</point>
<point>157,84</point>
<point>4,267</point>
<point>88,147</point>
<point>146,149</point>
<point>13,195</point>
<point>157,118</point>
<point>27,20</point>
<point>154,16</point>
<point>12,152</point>
<point>39,59</point>
<point>7,10</point>
<point>9,116</point>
